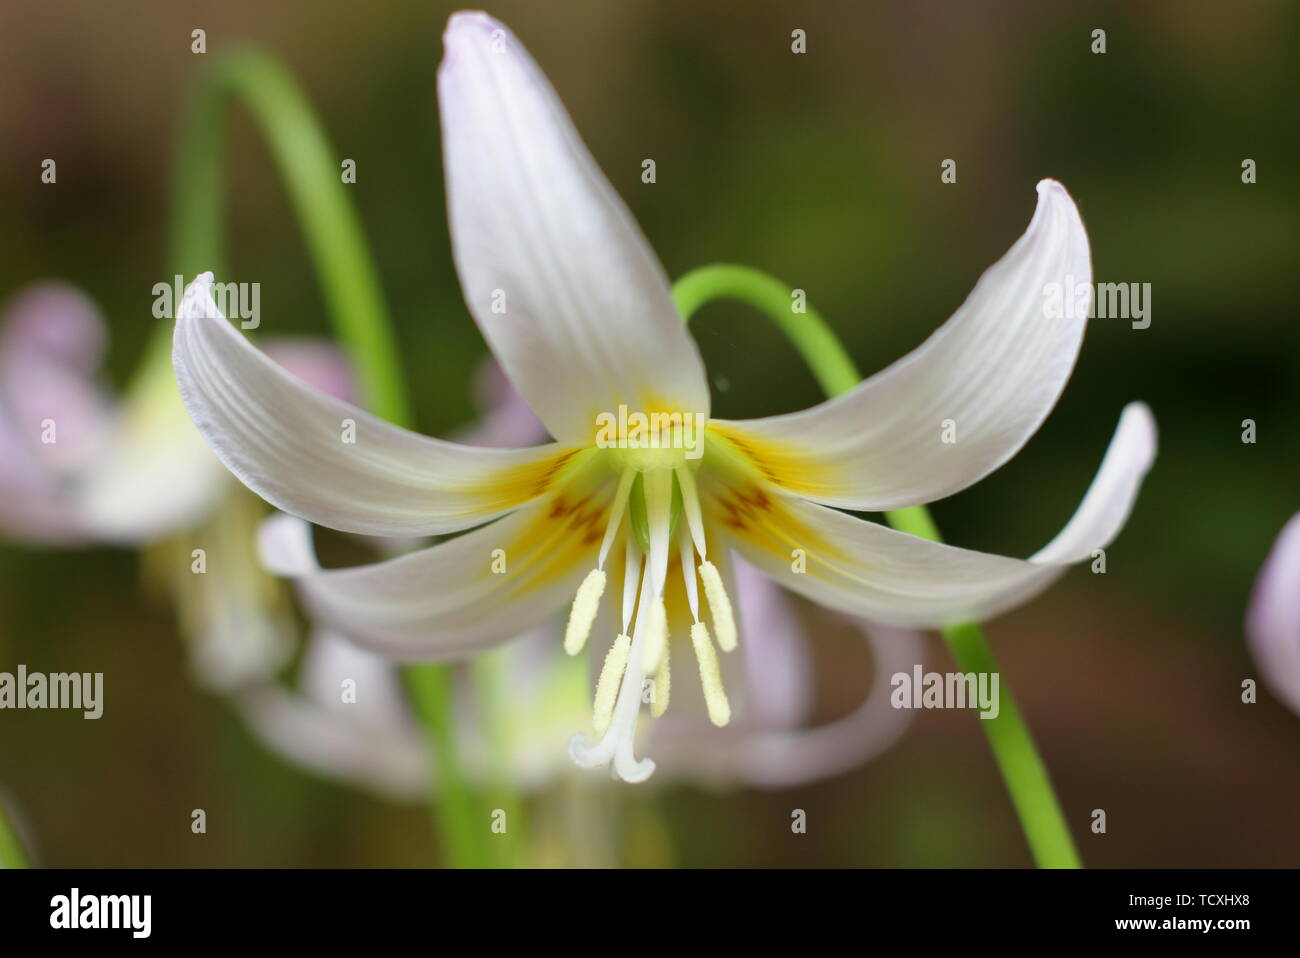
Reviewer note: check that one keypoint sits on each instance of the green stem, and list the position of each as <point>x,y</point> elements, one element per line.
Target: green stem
<point>12,854</point>
<point>1013,747</point>
<point>353,297</point>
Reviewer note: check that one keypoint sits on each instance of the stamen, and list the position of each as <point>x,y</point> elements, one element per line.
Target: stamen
<point>710,675</point>
<point>688,576</point>
<point>607,687</point>
<point>663,682</point>
<point>631,577</point>
<point>658,485</point>
<point>656,636</point>
<point>583,613</point>
<point>691,506</point>
<point>724,621</point>
<point>616,722</point>
<point>616,516</point>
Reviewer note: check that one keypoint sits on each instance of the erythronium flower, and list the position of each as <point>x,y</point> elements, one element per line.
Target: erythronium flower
<point>1273,619</point>
<point>579,313</point>
<point>78,466</point>
<point>348,719</point>
<point>75,466</point>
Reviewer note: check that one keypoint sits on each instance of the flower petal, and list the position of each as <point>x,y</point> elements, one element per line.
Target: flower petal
<point>562,283</point>
<point>995,369</point>
<point>1273,619</point>
<point>289,443</point>
<point>784,757</point>
<point>51,341</point>
<point>457,597</point>
<point>777,660</point>
<point>869,570</point>
<point>155,474</point>
<point>370,741</point>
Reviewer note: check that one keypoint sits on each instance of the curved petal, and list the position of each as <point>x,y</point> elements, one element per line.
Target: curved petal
<point>869,570</point>
<point>457,597</point>
<point>369,741</point>
<point>1273,619</point>
<point>317,362</point>
<point>995,369</point>
<point>781,758</point>
<point>778,663</point>
<point>562,283</point>
<point>332,463</point>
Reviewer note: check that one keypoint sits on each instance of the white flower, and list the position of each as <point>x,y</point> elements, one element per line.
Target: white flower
<point>78,466</point>
<point>1273,618</point>
<point>578,311</point>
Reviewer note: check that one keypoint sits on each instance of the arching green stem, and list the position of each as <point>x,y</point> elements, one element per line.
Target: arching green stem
<point>12,854</point>
<point>1013,747</point>
<point>311,172</point>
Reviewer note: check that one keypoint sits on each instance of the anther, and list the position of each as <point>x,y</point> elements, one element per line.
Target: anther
<point>724,621</point>
<point>583,613</point>
<point>611,673</point>
<point>710,675</point>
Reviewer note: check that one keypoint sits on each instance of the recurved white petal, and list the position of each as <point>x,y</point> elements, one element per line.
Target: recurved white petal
<point>369,739</point>
<point>554,269</point>
<point>457,597</point>
<point>1273,619</point>
<point>328,461</point>
<point>869,570</point>
<point>780,757</point>
<point>958,406</point>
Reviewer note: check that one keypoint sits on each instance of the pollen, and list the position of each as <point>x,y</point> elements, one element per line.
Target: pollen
<point>583,613</point>
<point>611,673</point>
<point>724,621</point>
<point>715,697</point>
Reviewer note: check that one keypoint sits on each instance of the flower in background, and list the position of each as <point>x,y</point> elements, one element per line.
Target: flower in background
<point>1273,617</point>
<point>578,311</point>
<point>75,466</point>
<point>348,719</point>
<point>79,467</point>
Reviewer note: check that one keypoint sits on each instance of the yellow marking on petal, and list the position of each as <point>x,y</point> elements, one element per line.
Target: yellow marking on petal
<point>523,483</point>
<point>583,613</point>
<point>655,641</point>
<point>611,674</point>
<point>724,619</point>
<point>766,523</point>
<point>662,687</point>
<point>783,464</point>
<point>715,697</point>
<point>561,537</point>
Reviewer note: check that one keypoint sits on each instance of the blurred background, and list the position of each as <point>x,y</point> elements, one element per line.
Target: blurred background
<point>823,169</point>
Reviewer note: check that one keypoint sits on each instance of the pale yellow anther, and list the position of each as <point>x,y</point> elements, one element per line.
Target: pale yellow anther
<point>724,621</point>
<point>583,614</point>
<point>715,698</point>
<point>663,682</point>
<point>611,673</point>
<point>655,641</point>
